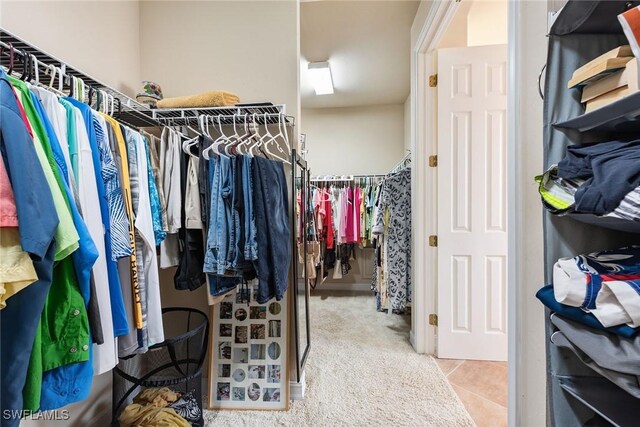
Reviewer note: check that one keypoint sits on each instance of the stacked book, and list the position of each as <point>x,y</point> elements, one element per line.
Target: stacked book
<point>608,78</point>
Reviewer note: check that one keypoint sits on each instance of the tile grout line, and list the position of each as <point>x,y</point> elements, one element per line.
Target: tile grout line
<point>479,395</point>
<point>454,369</point>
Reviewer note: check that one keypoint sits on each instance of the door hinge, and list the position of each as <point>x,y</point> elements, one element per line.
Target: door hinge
<point>433,241</point>
<point>433,161</point>
<point>433,319</point>
<point>433,80</point>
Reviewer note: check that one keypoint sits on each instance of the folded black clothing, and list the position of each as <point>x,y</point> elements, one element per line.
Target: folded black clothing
<point>611,170</point>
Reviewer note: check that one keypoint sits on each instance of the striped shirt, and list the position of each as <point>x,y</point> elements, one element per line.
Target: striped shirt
<point>118,221</point>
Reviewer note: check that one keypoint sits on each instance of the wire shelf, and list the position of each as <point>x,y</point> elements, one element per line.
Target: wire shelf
<point>131,112</point>
<point>260,113</point>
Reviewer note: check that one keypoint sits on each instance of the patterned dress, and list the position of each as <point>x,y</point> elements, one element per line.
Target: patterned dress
<point>395,200</point>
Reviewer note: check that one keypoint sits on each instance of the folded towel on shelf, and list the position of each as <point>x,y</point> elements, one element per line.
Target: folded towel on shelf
<point>606,284</point>
<point>546,297</point>
<point>216,98</point>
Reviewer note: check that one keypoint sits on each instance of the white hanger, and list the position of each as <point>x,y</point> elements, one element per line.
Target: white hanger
<point>213,147</point>
<point>232,139</point>
<point>53,69</point>
<point>36,69</point>
<point>247,137</point>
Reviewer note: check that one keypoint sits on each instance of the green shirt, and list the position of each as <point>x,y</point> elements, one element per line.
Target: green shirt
<point>66,234</point>
<point>62,336</point>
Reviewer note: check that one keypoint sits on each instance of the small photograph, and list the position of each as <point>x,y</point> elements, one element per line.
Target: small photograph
<point>259,312</point>
<point>241,314</point>
<point>224,350</point>
<point>241,334</point>
<point>226,329</point>
<point>258,332</point>
<point>254,391</point>
<point>274,329</point>
<point>274,350</point>
<point>242,296</point>
<point>238,393</point>
<point>223,391</point>
<point>275,308</point>
<point>258,351</point>
<point>273,373</point>
<point>224,370</point>
<point>256,372</point>
<point>226,310</point>
<point>239,375</point>
<point>240,355</point>
<point>271,395</point>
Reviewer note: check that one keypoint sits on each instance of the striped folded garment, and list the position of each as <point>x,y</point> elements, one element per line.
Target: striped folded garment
<point>630,21</point>
<point>606,284</point>
<point>558,195</point>
<point>215,98</point>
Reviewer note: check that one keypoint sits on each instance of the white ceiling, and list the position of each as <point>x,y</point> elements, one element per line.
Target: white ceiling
<point>367,44</point>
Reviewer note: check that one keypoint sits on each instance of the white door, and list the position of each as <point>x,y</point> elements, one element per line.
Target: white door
<point>472,191</point>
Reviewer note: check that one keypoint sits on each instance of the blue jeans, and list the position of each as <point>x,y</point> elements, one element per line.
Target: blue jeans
<point>271,211</point>
<point>250,244</point>
<point>220,219</point>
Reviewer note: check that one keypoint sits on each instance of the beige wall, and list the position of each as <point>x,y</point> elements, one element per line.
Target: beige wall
<point>354,140</point>
<point>246,47</point>
<point>487,23</point>
<point>100,38</point>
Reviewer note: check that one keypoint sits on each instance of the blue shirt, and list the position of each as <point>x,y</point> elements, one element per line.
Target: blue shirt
<point>37,224</point>
<point>69,383</point>
<point>120,324</point>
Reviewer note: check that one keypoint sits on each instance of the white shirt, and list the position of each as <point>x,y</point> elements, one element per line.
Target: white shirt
<point>170,174</point>
<point>144,225</point>
<point>105,355</point>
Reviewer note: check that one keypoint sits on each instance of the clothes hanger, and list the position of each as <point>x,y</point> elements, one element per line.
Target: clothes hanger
<point>11,58</point>
<point>229,148</point>
<point>247,137</point>
<point>206,153</point>
<point>26,61</point>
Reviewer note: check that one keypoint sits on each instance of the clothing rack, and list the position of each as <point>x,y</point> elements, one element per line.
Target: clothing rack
<point>129,111</point>
<point>344,178</point>
<point>402,164</point>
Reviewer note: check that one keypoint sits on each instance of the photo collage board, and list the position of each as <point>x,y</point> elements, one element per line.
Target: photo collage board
<point>248,353</point>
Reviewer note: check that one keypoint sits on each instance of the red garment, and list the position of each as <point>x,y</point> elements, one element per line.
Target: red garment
<point>328,218</point>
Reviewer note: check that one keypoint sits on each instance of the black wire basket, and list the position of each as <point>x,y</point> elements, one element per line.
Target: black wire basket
<point>175,363</point>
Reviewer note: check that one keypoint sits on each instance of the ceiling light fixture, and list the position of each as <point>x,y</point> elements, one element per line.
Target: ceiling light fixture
<point>320,74</point>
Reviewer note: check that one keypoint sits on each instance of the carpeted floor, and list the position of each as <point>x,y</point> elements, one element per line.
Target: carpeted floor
<point>362,371</point>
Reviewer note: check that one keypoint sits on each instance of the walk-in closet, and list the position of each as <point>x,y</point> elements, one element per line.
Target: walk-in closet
<point>319,213</point>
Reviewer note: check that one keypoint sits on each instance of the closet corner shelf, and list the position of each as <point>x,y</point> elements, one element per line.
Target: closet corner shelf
<point>185,116</point>
<point>620,116</point>
<point>607,222</point>
<point>603,397</point>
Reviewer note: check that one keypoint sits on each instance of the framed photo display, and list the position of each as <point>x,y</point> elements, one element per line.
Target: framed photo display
<point>248,353</point>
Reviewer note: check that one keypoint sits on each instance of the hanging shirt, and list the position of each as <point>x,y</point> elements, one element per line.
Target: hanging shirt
<point>19,321</point>
<point>153,143</point>
<point>156,204</point>
<point>144,225</point>
<point>70,289</point>
<point>170,172</point>
<point>92,202</point>
<point>129,282</point>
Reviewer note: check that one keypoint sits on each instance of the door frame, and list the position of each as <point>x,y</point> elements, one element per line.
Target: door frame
<point>432,20</point>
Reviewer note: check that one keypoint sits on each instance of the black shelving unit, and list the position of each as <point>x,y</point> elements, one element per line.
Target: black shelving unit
<point>583,30</point>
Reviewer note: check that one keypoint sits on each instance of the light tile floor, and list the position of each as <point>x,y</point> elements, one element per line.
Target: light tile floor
<point>482,388</point>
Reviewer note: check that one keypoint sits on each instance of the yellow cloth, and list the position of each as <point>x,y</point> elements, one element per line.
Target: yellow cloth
<point>136,415</point>
<point>16,268</point>
<point>158,397</point>
<point>216,98</point>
